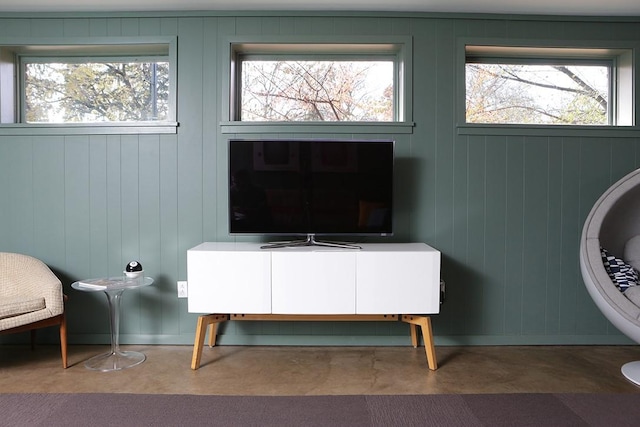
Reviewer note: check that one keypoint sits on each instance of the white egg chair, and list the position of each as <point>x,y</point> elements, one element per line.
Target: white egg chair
<point>614,224</point>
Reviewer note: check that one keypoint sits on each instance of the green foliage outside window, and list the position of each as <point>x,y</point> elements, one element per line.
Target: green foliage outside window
<point>84,92</point>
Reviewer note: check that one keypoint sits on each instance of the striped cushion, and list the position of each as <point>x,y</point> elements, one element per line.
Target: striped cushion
<point>622,274</point>
<point>15,306</point>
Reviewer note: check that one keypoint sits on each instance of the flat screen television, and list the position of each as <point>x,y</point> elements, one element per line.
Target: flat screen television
<point>299,187</point>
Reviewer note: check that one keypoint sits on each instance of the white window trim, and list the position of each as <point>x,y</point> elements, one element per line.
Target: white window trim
<point>324,45</point>
<point>622,52</point>
<point>72,46</point>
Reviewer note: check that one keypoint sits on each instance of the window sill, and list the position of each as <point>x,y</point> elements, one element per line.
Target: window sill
<point>549,130</point>
<point>34,129</point>
<point>317,127</point>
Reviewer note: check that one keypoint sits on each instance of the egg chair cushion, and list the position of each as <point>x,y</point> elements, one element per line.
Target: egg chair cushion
<point>622,274</point>
<point>632,252</point>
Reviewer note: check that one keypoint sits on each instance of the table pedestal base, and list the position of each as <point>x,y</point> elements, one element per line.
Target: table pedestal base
<point>115,361</point>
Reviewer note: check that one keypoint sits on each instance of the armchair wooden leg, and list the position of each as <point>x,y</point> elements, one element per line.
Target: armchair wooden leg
<point>63,340</point>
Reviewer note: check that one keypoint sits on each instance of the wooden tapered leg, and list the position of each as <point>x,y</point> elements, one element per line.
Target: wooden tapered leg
<point>429,346</point>
<point>427,335</point>
<point>201,330</point>
<point>63,333</point>
<point>63,340</point>
<point>414,335</point>
<point>213,333</point>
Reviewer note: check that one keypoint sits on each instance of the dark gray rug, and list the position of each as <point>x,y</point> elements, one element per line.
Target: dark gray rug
<point>412,410</point>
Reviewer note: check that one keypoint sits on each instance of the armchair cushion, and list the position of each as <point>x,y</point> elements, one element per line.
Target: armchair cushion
<point>24,278</point>
<point>30,298</point>
<point>17,306</point>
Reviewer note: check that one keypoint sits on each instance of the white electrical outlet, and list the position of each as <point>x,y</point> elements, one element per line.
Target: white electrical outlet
<point>182,289</point>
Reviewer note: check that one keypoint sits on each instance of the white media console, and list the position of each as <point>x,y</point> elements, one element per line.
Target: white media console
<point>379,282</point>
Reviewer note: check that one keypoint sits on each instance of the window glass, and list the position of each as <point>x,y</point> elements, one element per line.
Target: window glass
<point>569,93</point>
<point>294,90</point>
<point>99,90</point>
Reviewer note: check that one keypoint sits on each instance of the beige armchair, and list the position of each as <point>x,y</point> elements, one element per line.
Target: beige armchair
<point>30,298</point>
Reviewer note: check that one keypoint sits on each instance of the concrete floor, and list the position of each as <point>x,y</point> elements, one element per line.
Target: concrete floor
<point>231,370</point>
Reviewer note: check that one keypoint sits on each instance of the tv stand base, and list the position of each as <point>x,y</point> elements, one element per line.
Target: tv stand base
<point>211,321</point>
<point>310,241</point>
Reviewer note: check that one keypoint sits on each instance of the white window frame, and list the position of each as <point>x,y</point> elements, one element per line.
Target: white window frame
<point>619,54</point>
<point>399,49</point>
<point>13,52</point>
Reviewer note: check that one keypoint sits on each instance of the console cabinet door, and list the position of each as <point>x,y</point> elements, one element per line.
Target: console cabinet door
<point>229,282</point>
<point>313,282</point>
<point>398,282</point>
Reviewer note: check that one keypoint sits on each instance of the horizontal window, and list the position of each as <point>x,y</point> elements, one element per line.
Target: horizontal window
<point>323,90</point>
<point>319,82</point>
<point>547,86</point>
<point>129,83</point>
<point>116,90</point>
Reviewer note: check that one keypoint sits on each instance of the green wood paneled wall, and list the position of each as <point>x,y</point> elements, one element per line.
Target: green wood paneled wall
<point>505,210</point>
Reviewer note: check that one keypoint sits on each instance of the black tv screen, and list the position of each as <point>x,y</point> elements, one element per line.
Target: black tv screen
<point>311,187</point>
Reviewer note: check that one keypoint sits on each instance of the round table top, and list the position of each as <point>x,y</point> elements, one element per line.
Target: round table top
<point>111,283</point>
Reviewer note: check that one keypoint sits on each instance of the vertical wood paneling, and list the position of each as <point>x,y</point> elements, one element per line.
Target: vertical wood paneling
<point>130,222</point>
<point>77,227</point>
<point>77,204</point>
<point>458,277</point>
<point>554,237</point>
<point>425,142</point>
<point>49,207</point>
<point>76,27</point>
<point>190,147</point>
<point>249,26</point>
<point>626,31</point>
<point>438,120</point>
<point>98,207</point>
<point>114,204</point>
<point>130,26</point>
<point>98,27</point>
<point>47,28</point>
<point>130,197</point>
<point>595,174</point>
<point>149,26</point>
<point>570,281</point>
<point>21,197</point>
<point>190,138</point>
<point>322,26</point>
<point>169,26</point>
<point>5,179</point>
<point>535,206</point>
<point>406,187</point>
<point>476,237</point>
<point>149,246</point>
<point>495,234</point>
<point>506,211</point>
<point>169,256</point>
<point>114,27</point>
<point>514,253</point>
<point>287,25</point>
<point>212,153</point>
<point>623,158</point>
<point>15,27</point>
<point>270,25</point>
<point>494,28</point>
